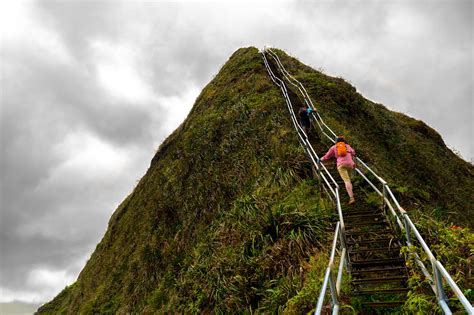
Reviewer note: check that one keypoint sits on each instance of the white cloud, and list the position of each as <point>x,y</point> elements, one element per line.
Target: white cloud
<point>405,23</point>
<point>87,156</point>
<point>88,166</point>
<point>14,19</point>
<point>45,278</point>
<point>19,27</point>
<point>116,66</point>
<point>8,295</point>
<point>43,284</point>
<point>177,108</point>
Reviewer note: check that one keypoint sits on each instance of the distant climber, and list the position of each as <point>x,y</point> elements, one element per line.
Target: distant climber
<point>343,153</point>
<point>303,113</point>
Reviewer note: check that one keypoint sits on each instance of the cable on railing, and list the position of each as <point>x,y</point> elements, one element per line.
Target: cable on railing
<point>321,168</point>
<point>439,272</point>
<point>328,183</point>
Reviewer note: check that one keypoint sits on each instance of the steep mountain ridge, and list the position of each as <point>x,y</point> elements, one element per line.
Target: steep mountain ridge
<point>167,243</point>
<point>228,216</point>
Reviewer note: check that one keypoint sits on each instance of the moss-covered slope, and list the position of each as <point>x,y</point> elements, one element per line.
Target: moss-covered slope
<point>223,215</point>
<point>228,219</point>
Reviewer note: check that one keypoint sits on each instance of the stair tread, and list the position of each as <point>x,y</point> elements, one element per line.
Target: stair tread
<point>380,279</point>
<point>382,249</point>
<point>365,215</point>
<point>382,304</point>
<point>357,211</point>
<point>382,291</point>
<point>365,223</point>
<point>378,270</point>
<point>354,233</point>
<point>375,262</point>
<point>376,240</point>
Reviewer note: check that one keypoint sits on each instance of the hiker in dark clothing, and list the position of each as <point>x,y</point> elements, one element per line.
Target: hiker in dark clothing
<point>303,113</point>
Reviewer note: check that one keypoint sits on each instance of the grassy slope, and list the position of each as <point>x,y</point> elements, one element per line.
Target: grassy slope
<point>405,151</point>
<point>224,219</point>
<point>227,217</point>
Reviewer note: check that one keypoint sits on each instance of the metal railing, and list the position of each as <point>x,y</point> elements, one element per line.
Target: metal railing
<point>302,91</point>
<point>330,186</point>
<point>326,177</point>
<point>398,216</point>
<point>329,274</point>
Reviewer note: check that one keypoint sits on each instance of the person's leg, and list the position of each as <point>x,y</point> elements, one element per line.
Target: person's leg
<point>303,126</point>
<point>349,190</point>
<point>344,172</point>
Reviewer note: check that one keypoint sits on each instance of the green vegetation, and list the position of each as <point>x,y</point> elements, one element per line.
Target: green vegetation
<point>228,218</point>
<point>406,151</point>
<point>454,247</point>
<point>433,184</point>
<point>225,219</point>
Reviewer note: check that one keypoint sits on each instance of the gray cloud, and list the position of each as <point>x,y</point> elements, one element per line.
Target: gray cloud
<point>90,89</point>
<point>414,57</point>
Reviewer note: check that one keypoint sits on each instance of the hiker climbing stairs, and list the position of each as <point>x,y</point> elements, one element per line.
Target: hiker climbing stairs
<point>371,234</point>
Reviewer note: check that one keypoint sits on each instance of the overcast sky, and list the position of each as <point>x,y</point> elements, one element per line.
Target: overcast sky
<point>89,89</point>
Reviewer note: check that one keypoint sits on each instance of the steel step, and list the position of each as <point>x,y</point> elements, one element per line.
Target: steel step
<point>373,256</point>
<point>383,232</point>
<point>377,270</point>
<point>362,216</point>
<point>362,210</point>
<point>381,291</point>
<point>379,280</point>
<point>382,304</point>
<point>366,223</point>
<point>367,250</point>
<point>372,241</point>
<point>367,217</point>
<point>358,214</point>
<point>377,262</point>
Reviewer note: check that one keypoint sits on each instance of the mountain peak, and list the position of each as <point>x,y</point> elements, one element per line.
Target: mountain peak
<point>228,215</point>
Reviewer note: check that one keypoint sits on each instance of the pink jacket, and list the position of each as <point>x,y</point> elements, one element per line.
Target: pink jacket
<point>341,160</point>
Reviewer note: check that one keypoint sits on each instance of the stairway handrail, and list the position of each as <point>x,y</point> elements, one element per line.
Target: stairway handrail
<point>306,97</point>
<point>439,272</point>
<point>335,287</point>
<point>321,168</point>
<point>329,182</point>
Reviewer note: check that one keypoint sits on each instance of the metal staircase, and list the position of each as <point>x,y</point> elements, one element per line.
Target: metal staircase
<point>378,270</point>
<point>367,238</point>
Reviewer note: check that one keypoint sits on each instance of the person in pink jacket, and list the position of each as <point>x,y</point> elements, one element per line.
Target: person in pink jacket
<point>343,153</point>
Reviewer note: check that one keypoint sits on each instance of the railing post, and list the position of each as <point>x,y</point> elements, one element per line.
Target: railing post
<point>332,285</point>
<point>440,294</point>
<point>319,178</point>
<point>384,197</point>
<point>342,229</point>
<point>407,230</point>
<point>319,305</point>
<point>342,263</point>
